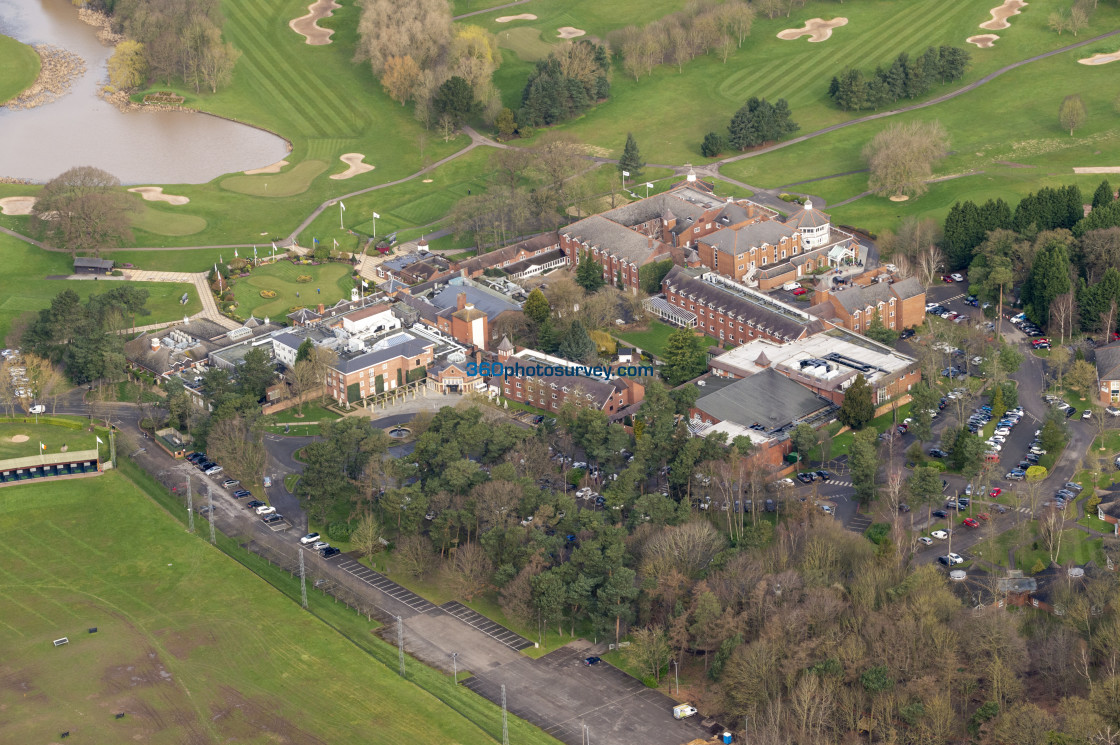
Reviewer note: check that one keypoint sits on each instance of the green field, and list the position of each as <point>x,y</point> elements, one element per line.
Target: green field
<point>190,646</point>
<point>24,287</point>
<point>332,279</point>
<point>166,222</point>
<point>52,436</point>
<point>652,340</point>
<point>20,64</point>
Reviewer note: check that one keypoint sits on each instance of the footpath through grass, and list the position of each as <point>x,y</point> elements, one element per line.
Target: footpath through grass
<point>20,64</point>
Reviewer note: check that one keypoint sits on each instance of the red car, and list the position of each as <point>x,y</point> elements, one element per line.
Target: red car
<point>946,278</point>
<point>984,516</point>
<point>800,291</point>
<point>995,492</point>
<point>971,523</point>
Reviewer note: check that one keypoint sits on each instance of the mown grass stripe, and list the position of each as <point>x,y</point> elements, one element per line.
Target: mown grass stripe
<point>306,126</point>
<point>293,90</point>
<point>333,101</point>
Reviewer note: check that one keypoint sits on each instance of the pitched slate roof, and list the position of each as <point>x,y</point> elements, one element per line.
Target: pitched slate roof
<point>807,217</point>
<point>1108,362</point>
<point>859,298</point>
<point>489,303</point>
<point>908,288</point>
<point>737,241</point>
<point>766,319</point>
<point>598,232</point>
<point>768,399</point>
<point>411,348</point>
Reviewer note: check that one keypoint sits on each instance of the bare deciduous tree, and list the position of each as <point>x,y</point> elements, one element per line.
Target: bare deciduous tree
<point>902,156</point>
<point>83,210</point>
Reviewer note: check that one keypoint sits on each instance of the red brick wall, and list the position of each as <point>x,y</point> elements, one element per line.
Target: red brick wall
<point>714,323</point>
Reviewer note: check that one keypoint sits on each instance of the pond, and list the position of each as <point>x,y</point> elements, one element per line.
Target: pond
<point>79,129</point>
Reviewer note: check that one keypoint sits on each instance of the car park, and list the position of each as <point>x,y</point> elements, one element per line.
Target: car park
<point>309,538</point>
<point>824,475</point>
<point>806,478</point>
<point>1073,486</point>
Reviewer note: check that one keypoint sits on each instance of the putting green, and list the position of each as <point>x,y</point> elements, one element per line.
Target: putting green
<point>525,42</point>
<point>20,64</point>
<point>162,222</point>
<point>294,181</point>
<point>332,281</point>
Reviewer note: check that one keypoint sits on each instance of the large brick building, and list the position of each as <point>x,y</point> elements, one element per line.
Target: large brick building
<point>504,257</point>
<point>1108,374</point>
<point>660,227</point>
<point>737,253</point>
<point>734,314</point>
<point>900,304</point>
<point>551,391</point>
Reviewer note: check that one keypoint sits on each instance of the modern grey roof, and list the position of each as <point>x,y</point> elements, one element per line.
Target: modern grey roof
<point>771,321</point>
<point>768,399</point>
<point>411,348</point>
<point>1108,362</point>
<point>400,262</point>
<point>738,241</point>
<point>598,232</point>
<point>491,304</point>
<point>426,310</point>
<point>288,339</point>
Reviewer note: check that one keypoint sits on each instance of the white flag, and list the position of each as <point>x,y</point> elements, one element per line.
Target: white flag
<point>343,206</point>
<point>375,215</point>
<point>99,440</point>
<point>364,283</point>
<point>335,242</point>
<point>274,245</point>
<point>649,185</point>
<point>626,173</point>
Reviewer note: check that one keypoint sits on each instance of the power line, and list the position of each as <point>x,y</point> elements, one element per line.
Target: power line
<point>505,718</point>
<point>190,507</point>
<point>210,513</point>
<point>400,643</point>
<point>302,581</point>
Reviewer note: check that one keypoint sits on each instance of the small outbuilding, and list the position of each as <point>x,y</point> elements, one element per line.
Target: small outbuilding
<point>86,265</point>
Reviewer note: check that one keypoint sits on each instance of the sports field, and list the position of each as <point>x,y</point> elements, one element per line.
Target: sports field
<point>24,287</point>
<point>21,66</point>
<point>329,284</point>
<point>190,646</point>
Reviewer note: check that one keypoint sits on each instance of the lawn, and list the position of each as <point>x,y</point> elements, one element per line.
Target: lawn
<point>294,180</point>
<point>652,340</point>
<point>189,645</point>
<point>842,443</point>
<point>1077,546</point>
<point>20,64</point>
<point>52,436</point>
<point>166,222</point>
<point>329,283</point>
<point>312,412</point>
<point>25,289</point>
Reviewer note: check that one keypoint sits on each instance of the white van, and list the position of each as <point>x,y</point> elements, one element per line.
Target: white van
<point>790,286</point>
<point>37,409</point>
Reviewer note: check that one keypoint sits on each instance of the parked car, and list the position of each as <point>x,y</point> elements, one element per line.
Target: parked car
<point>983,516</point>
<point>265,509</point>
<point>938,453</point>
<point>230,483</point>
<point>253,504</point>
<point>1070,412</point>
<point>800,291</point>
<point>37,409</point>
<point>330,551</point>
<point>925,540</point>
<point>940,513</point>
<point>1073,486</point>
<point>242,493</point>
<point>591,661</point>
<point>273,518</point>
<point>806,478</point>
<point>823,475</point>
<point>309,538</point>
<point>940,535</point>
<point>906,334</point>
<point>995,492</point>
<point>957,277</point>
<point>970,522</point>
<point>213,470</point>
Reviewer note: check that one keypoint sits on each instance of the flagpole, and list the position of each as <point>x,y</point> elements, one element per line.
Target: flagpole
<point>341,209</point>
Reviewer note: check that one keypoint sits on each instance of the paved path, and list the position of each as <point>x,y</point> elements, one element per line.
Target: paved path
<point>490,10</point>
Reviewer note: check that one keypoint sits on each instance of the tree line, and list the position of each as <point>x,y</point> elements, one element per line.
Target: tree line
<point>756,122</point>
<point>906,77</point>
<point>565,84</point>
<point>701,28</point>
<point>170,40</point>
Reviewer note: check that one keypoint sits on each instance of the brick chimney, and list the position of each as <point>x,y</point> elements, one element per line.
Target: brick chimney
<point>322,308</point>
<point>461,301</point>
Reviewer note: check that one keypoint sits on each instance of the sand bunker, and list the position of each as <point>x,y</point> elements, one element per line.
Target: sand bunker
<point>1093,169</point>
<point>567,32</point>
<point>984,41</point>
<point>18,438</point>
<point>17,205</point>
<point>522,17</point>
<point>155,194</point>
<point>308,26</point>
<point>1100,59</point>
<point>1001,14</point>
<point>426,181</point>
<point>899,198</point>
<point>816,29</point>
<point>274,168</point>
<point>354,160</point>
